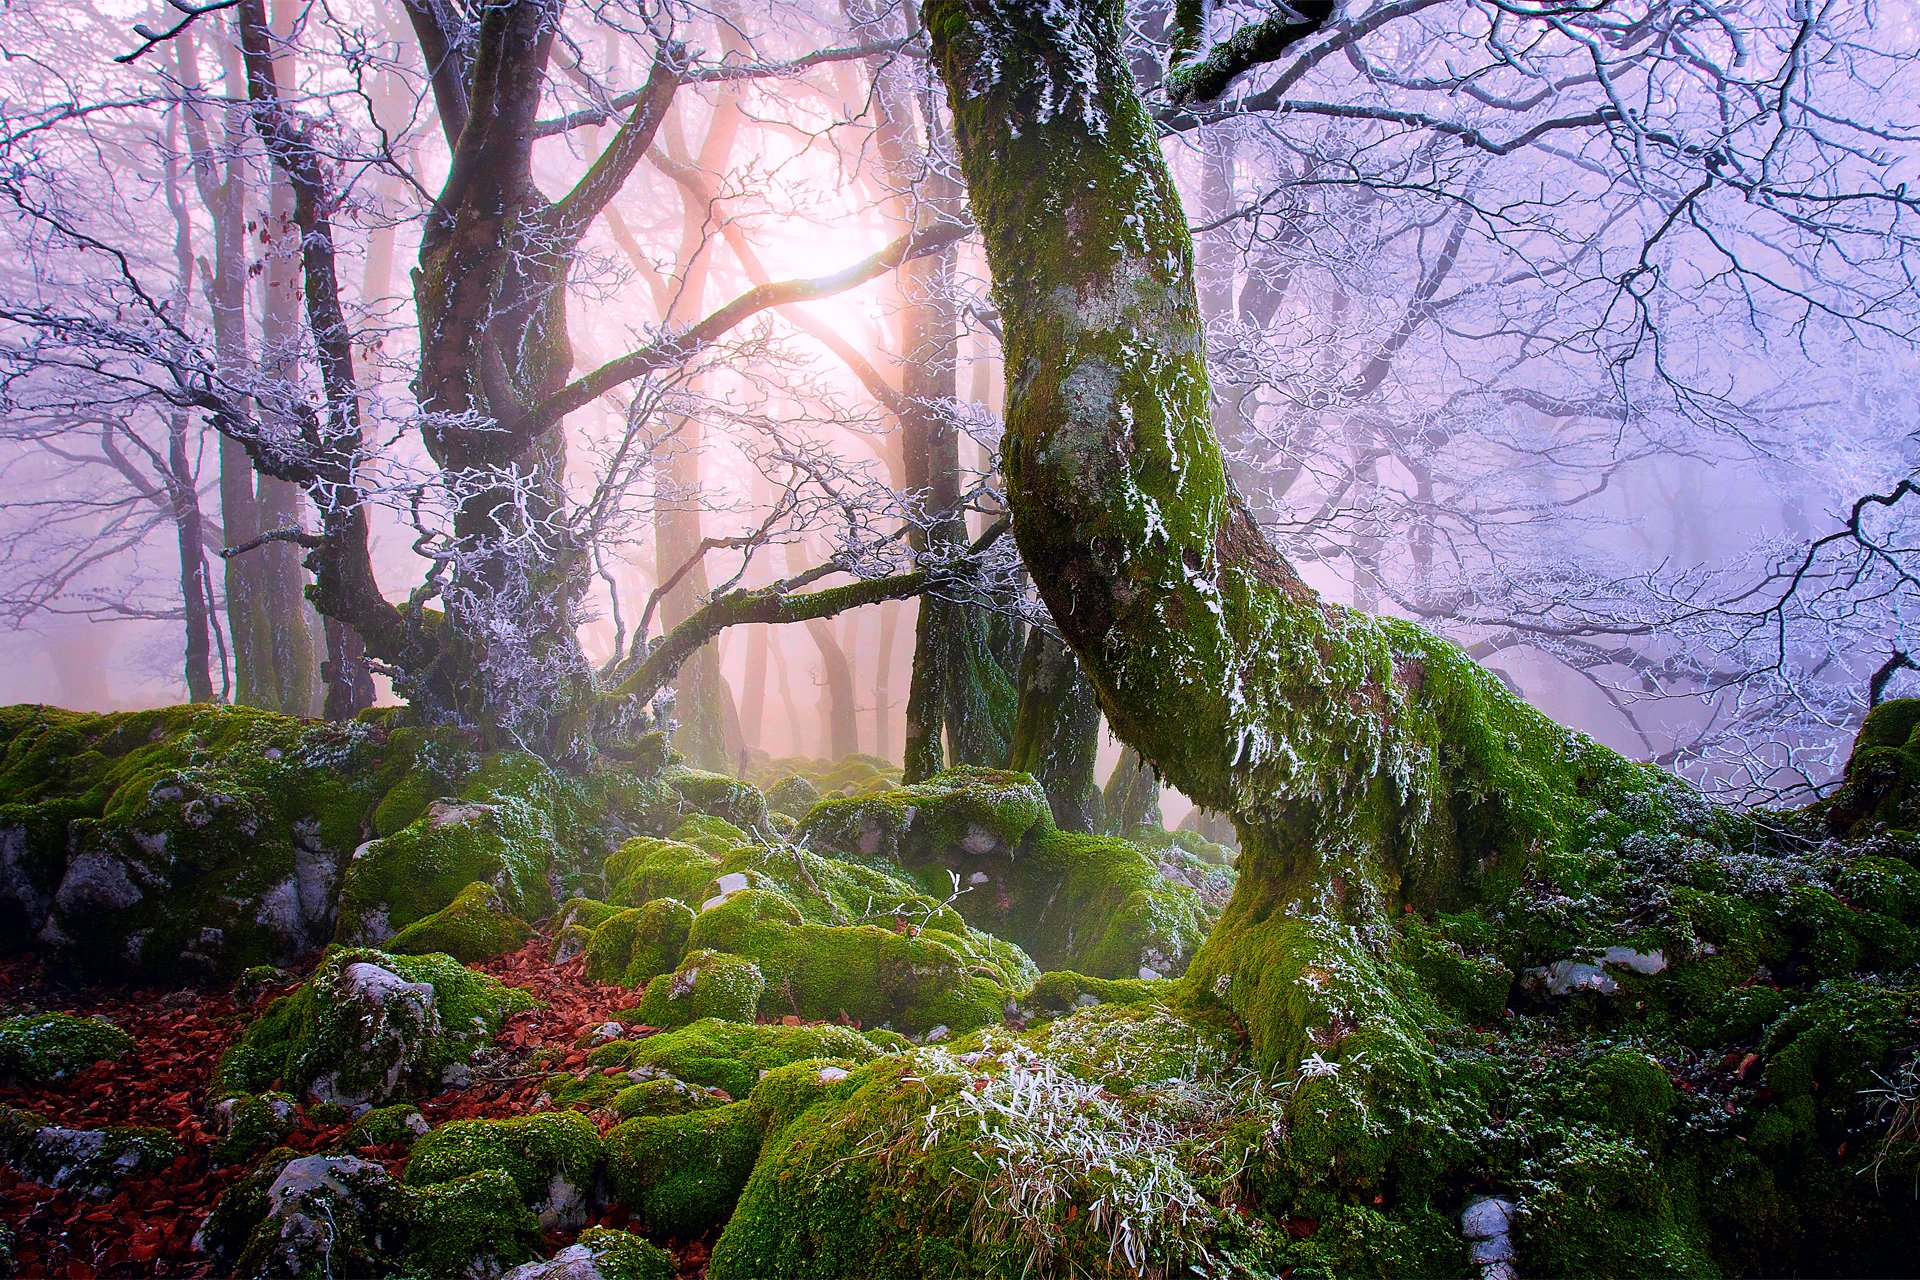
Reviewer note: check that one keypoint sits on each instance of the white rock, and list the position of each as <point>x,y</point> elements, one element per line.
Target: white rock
<point>1642,962</point>
<point>1145,972</point>
<point>938,1034</point>
<point>978,877</point>
<point>1564,977</point>
<point>606,1031</point>
<point>732,882</point>
<point>829,1074</point>
<point>575,1262</point>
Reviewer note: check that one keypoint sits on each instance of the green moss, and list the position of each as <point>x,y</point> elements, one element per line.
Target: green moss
<point>398,1125</point>
<point>44,1047</point>
<point>912,979</point>
<point>680,1175</point>
<point>979,810</point>
<point>253,1122</point>
<point>635,946</point>
<point>792,795</point>
<point>473,1224</point>
<point>1064,991</point>
<point>422,868</point>
<point>716,835</point>
<point>551,1156</point>
<point>621,1255</point>
<point>1465,981</point>
<point>662,1096</point>
<point>733,1056</point>
<point>87,1162</point>
<point>707,984</point>
<point>323,1041</point>
<point>644,869</point>
<point>475,926</point>
<point>715,795</point>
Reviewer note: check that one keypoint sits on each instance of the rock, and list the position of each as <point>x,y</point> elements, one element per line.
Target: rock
<point>88,1162</point>
<point>830,1074</point>
<point>575,1262</point>
<point>1486,1219</point>
<point>1564,977</point>
<point>1646,963</point>
<point>323,1217</point>
<point>44,1047</point>
<point>370,1028</point>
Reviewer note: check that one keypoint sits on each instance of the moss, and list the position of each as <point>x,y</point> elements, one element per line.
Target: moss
<point>707,984</point>
<point>87,1162</point>
<point>1051,1155</point>
<point>44,1047</point>
<point>253,1123</point>
<point>737,803</point>
<point>1064,991</point>
<point>422,868</point>
<point>475,926</point>
<point>980,810</point>
<point>733,1056</point>
<point>792,795</point>
<point>551,1156</point>
<point>621,1255</point>
<point>398,1125</point>
<point>662,1096</point>
<point>914,980</point>
<point>635,946</point>
<point>474,1224</point>
<point>644,869</point>
<point>1881,785</point>
<point>321,1040</point>
<point>680,1175</point>
<point>715,835</point>
<point>1465,981</point>
<point>587,913</point>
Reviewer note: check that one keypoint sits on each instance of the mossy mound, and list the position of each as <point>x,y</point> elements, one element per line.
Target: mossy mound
<point>250,1123</point>
<point>43,1047</point>
<point>475,926</point>
<point>680,1175</point>
<point>369,1028</point>
<point>87,1162</point>
<point>855,775</point>
<point>612,1254</point>
<point>551,1156</point>
<point>1099,905</point>
<point>645,868</point>
<point>715,795</point>
<point>341,1215</point>
<point>637,945</point>
<point>201,840</point>
<point>733,1056</point>
<point>1881,787</point>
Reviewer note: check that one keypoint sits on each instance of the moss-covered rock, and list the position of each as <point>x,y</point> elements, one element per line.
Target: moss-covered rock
<point>732,1056</point>
<point>87,1162</point>
<point>1881,786</point>
<point>369,1028</point>
<point>393,882</point>
<point>707,984</point>
<point>475,926</point>
<point>645,868</point>
<point>612,1255</point>
<point>793,795</point>
<point>715,795</point>
<point>1064,991</point>
<point>43,1047</point>
<point>551,1156</point>
<point>633,947</point>
<point>250,1123</point>
<point>680,1175</point>
<point>337,1215</point>
<point>1103,906</point>
<point>400,1124</point>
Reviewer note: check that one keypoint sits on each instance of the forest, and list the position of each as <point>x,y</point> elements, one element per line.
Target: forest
<point>978,639</point>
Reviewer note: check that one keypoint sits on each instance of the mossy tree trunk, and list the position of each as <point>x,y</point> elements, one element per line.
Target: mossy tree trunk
<point>1057,734</point>
<point>1367,765</point>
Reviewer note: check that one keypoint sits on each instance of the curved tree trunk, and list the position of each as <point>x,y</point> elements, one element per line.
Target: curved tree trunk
<point>1367,765</point>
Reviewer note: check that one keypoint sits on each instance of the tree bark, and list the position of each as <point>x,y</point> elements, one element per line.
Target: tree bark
<point>1368,766</point>
<point>1057,734</point>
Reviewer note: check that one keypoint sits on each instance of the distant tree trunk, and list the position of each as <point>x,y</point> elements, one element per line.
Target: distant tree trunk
<point>1057,734</point>
<point>190,533</point>
<point>1132,798</point>
<point>1369,767</point>
<point>883,682</point>
<point>753,692</point>
<point>840,716</point>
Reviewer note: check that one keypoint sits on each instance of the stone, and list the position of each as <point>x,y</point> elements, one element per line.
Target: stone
<point>575,1262</point>
<point>1645,963</point>
<point>1486,1219</point>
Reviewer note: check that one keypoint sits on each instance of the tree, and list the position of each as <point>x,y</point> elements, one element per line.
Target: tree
<point>1367,765</point>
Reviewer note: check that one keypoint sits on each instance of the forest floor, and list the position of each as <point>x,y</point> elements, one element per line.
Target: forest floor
<point>146,1227</point>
